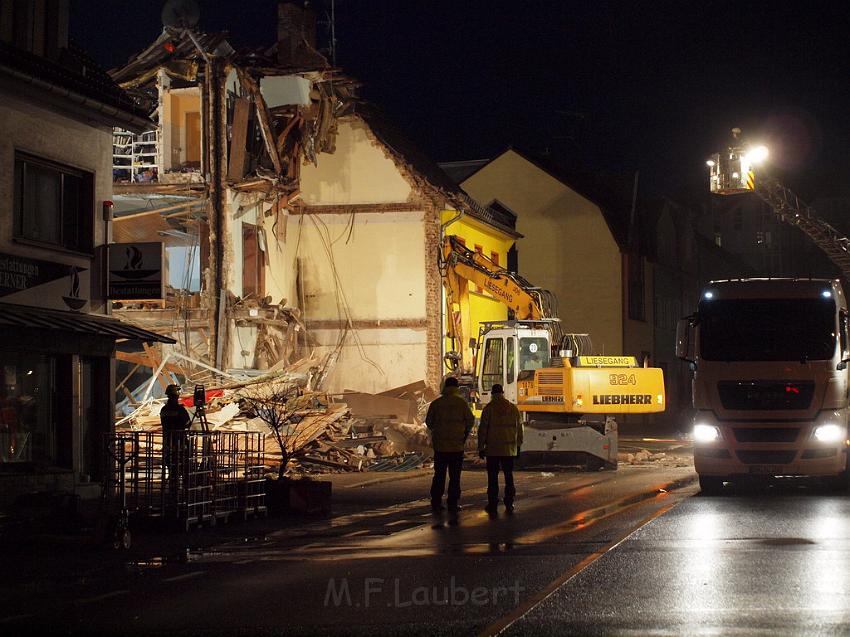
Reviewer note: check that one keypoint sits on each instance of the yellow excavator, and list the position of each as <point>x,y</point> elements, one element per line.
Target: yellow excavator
<point>569,397</point>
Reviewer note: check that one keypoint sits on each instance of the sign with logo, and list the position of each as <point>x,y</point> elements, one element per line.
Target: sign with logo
<point>20,276</point>
<point>136,271</point>
<point>607,361</point>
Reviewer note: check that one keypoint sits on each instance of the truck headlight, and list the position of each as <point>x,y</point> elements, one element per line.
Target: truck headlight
<point>829,433</point>
<point>705,433</point>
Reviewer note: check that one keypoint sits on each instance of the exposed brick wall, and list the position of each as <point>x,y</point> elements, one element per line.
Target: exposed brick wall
<point>433,297</point>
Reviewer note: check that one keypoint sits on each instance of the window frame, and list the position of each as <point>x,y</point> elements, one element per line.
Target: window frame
<point>84,213</point>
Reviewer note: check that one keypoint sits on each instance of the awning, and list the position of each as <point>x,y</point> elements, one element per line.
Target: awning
<point>93,324</point>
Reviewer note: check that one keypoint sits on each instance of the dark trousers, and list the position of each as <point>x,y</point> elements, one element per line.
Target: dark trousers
<point>507,465</point>
<point>452,462</point>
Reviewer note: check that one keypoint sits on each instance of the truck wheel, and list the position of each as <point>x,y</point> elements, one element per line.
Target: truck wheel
<point>710,485</point>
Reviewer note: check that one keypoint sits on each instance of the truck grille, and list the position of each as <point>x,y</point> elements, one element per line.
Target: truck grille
<point>772,434</point>
<point>766,457</point>
<point>765,394</point>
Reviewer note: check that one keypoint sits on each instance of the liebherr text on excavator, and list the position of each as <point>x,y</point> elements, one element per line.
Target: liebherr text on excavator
<point>568,396</point>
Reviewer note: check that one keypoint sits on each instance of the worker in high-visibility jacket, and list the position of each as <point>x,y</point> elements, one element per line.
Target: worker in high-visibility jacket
<point>500,440</point>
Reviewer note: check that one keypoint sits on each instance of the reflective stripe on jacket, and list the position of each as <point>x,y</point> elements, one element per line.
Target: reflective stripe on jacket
<point>450,421</point>
<point>500,431</point>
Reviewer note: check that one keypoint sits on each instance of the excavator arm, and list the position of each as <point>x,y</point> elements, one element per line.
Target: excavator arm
<point>459,265</point>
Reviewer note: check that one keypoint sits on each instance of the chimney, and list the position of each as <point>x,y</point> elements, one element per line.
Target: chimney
<point>296,35</point>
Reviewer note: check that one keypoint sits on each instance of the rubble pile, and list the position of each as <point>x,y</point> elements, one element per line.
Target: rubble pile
<point>320,432</point>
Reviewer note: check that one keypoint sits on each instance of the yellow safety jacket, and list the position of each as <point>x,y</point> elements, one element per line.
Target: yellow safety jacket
<point>500,430</point>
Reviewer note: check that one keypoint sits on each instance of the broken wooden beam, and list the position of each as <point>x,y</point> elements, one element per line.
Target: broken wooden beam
<point>263,116</point>
<point>238,139</point>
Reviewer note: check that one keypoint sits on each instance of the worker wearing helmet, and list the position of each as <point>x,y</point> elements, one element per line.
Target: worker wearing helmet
<point>499,440</point>
<point>450,421</point>
<point>175,421</point>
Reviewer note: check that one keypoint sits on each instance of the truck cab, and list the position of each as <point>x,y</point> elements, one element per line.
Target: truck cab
<point>770,371</point>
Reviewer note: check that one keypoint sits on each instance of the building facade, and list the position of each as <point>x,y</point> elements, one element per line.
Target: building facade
<point>57,113</point>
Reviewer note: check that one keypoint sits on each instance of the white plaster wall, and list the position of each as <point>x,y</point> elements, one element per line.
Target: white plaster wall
<point>377,268</point>
<point>357,172</point>
<point>379,274</point>
<point>374,360</point>
<point>46,134</point>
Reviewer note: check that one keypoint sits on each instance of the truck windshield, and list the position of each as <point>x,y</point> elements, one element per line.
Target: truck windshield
<point>767,329</point>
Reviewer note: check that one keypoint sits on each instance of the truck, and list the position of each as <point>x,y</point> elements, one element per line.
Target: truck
<point>770,370</point>
<point>769,355</point>
<point>569,397</point>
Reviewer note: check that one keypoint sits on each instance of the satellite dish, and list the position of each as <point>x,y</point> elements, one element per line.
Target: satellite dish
<point>181,14</point>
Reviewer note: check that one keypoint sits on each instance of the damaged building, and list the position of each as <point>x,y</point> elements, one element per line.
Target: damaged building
<point>295,221</point>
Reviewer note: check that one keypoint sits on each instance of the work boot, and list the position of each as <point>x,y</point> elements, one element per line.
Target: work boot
<point>491,509</point>
<point>509,508</point>
<point>454,508</point>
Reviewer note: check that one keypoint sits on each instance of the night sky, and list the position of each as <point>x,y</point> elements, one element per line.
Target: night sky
<point>621,86</point>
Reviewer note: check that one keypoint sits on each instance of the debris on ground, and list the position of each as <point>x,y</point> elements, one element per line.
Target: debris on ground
<point>319,432</point>
<point>644,457</point>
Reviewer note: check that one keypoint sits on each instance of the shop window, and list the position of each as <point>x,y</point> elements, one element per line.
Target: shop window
<point>491,369</point>
<point>253,263</point>
<point>29,432</point>
<point>54,204</point>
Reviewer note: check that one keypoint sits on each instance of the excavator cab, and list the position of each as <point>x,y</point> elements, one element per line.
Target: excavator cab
<point>506,349</point>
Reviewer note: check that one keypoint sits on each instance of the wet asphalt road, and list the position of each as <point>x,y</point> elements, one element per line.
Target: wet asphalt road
<point>758,562</point>
<point>637,551</point>
<point>382,565</point>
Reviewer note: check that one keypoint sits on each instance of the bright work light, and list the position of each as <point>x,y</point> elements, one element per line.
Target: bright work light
<point>757,154</point>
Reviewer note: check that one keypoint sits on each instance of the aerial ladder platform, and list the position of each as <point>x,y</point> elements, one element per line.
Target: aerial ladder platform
<point>736,171</point>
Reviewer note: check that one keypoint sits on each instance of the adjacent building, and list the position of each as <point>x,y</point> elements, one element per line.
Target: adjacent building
<point>57,113</point>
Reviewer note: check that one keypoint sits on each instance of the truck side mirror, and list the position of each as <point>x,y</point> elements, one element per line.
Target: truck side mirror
<point>685,348</point>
